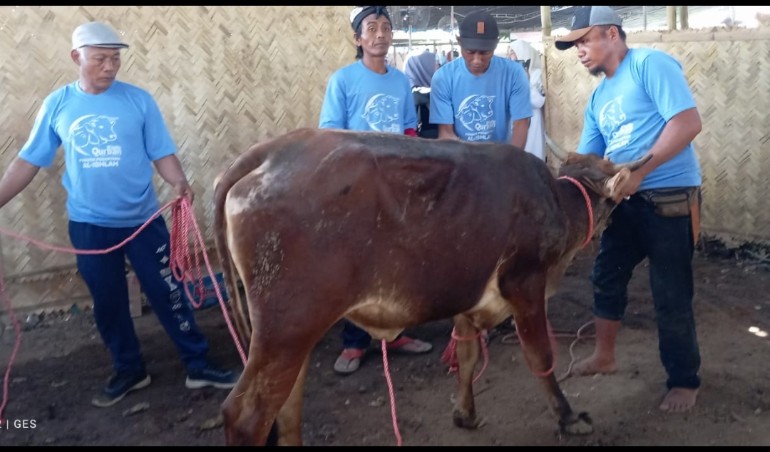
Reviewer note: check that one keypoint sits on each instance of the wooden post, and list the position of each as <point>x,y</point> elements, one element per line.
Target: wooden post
<point>545,20</point>
<point>683,22</point>
<point>671,14</point>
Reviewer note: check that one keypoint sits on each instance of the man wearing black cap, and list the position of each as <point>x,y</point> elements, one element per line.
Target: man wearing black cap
<point>112,134</point>
<point>481,97</point>
<point>643,106</point>
<point>369,95</point>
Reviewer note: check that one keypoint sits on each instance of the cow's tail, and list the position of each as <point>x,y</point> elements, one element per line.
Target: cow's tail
<point>222,185</point>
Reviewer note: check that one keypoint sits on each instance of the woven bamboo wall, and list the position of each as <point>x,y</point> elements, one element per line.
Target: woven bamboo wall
<point>729,73</point>
<point>224,77</point>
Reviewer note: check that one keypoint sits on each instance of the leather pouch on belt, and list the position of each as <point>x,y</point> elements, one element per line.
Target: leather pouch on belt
<point>676,202</point>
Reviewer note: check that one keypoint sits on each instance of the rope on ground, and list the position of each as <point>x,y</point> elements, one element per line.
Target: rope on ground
<point>183,220</point>
<point>9,306</point>
<point>512,338</point>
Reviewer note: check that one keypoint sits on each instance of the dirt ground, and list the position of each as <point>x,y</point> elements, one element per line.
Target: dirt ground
<point>62,363</point>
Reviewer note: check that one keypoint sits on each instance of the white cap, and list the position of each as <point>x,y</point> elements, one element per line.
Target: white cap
<point>96,34</point>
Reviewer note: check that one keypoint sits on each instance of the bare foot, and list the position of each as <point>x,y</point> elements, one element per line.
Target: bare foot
<point>679,400</point>
<point>594,365</point>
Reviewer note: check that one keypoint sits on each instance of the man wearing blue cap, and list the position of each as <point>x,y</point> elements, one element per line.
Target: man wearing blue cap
<point>643,106</point>
<point>112,134</point>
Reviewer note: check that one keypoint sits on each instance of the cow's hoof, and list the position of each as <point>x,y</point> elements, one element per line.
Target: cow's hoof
<point>577,425</point>
<point>467,421</point>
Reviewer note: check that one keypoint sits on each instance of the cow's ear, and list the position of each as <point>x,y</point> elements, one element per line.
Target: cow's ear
<point>613,188</point>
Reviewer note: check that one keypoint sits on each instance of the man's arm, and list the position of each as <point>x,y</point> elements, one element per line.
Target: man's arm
<point>519,108</point>
<point>447,131</point>
<point>333,109</point>
<point>520,130</point>
<point>16,178</point>
<point>679,131</point>
<point>170,169</point>
<point>441,112</point>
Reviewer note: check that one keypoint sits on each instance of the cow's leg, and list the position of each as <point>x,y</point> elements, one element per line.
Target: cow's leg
<point>273,374</point>
<point>531,324</point>
<point>464,413</point>
<point>289,422</point>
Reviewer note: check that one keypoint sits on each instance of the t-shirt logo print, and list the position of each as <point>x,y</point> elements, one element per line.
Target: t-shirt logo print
<point>90,133</point>
<point>611,116</point>
<point>476,113</point>
<point>381,113</point>
<point>614,125</point>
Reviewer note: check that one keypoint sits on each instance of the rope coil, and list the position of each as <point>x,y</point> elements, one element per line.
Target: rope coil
<point>181,263</point>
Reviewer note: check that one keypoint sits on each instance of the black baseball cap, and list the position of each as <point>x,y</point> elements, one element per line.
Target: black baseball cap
<point>479,31</point>
<point>585,18</point>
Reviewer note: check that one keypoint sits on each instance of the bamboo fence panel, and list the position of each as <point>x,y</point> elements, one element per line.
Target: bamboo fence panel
<point>224,77</point>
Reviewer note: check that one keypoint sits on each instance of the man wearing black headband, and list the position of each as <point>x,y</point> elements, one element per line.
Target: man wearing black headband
<point>369,95</point>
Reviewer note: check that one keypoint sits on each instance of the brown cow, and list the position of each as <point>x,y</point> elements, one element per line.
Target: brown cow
<point>390,232</point>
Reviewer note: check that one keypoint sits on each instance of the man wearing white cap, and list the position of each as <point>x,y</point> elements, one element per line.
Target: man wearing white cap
<point>643,106</point>
<point>112,134</point>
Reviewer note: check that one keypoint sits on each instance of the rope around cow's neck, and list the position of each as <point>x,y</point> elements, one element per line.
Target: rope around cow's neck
<point>588,206</point>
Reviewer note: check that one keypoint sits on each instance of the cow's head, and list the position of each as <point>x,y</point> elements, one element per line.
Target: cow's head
<point>601,177</point>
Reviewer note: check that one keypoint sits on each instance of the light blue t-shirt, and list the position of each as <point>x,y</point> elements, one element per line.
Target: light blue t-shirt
<point>358,98</point>
<point>481,107</point>
<point>109,142</point>
<point>627,113</point>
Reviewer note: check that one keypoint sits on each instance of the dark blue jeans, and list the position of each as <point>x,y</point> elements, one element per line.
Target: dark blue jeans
<point>105,276</point>
<point>355,337</point>
<point>636,232</point>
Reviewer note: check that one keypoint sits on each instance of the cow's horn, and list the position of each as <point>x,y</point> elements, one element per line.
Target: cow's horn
<point>560,153</point>
<point>635,165</point>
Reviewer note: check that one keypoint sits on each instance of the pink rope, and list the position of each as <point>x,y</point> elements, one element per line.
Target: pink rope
<point>386,369</point>
<point>16,345</point>
<point>180,261</point>
<point>449,356</point>
<point>46,246</point>
<point>9,306</point>
<point>588,206</point>
<point>183,218</point>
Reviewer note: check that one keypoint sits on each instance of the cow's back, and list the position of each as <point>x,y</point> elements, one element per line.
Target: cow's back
<point>385,217</point>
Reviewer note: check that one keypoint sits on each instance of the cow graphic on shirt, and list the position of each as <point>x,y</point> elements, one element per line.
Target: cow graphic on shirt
<point>90,133</point>
<point>381,113</point>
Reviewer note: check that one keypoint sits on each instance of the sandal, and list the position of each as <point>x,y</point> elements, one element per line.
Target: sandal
<point>349,361</point>
<point>410,346</point>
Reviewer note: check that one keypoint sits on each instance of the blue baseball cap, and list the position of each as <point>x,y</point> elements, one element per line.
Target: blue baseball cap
<point>585,18</point>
